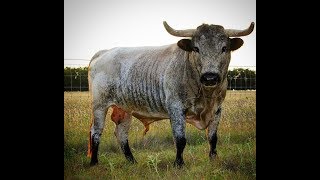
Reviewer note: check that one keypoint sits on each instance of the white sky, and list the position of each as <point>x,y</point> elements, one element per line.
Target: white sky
<point>93,25</point>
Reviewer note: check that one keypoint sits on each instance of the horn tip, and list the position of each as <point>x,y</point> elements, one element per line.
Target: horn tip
<point>252,24</point>
<point>251,27</point>
<point>166,26</point>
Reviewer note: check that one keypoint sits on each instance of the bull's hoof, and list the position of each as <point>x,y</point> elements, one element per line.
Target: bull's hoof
<point>213,155</point>
<point>93,162</point>
<point>131,159</point>
<point>179,164</point>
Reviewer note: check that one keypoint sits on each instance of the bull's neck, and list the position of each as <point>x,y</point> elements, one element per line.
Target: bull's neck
<point>193,73</point>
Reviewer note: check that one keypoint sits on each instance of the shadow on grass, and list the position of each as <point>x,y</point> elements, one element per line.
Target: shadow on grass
<point>245,164</point>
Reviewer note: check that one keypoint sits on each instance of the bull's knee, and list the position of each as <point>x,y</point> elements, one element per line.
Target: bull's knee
<point>122,130</point>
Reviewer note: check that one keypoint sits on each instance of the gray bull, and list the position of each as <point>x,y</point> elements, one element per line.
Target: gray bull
<point>183,82</point>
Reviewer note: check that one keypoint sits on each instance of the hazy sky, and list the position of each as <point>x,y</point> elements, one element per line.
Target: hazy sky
<point>93,25</point>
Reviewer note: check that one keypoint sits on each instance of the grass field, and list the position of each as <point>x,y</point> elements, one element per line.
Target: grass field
<point>155,152</point>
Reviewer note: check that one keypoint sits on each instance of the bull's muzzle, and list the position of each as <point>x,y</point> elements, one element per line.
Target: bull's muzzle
<point>210,79</point>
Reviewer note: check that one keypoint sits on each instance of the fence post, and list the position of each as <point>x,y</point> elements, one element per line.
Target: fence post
<point>71,79</point>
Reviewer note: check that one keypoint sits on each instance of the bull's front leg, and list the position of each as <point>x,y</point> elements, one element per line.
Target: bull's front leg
<point>212,133</point>
<point>178,124</point>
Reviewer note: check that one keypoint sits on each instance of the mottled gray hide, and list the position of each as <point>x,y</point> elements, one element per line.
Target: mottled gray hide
<point>155,83</point>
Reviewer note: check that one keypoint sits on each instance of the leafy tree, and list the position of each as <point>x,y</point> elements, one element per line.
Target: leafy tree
<point>76,79</point>
<point>241,79</point>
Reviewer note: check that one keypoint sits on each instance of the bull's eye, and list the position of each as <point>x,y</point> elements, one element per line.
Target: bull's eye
<point>224,49</point>
<point>196,49</point>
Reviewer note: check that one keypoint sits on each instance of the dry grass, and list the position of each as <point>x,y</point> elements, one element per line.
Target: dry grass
<point>155,152</point>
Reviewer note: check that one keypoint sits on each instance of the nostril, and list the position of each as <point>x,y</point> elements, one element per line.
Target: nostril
<point>212,78</point>
<point>209,79</point>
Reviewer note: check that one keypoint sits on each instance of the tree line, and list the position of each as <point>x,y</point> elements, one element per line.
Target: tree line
<point>76,79</point>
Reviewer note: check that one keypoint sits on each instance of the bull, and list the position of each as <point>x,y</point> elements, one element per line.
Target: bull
<point>185,82</point>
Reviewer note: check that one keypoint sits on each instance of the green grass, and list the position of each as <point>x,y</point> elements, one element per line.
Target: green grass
<point>155,152</point>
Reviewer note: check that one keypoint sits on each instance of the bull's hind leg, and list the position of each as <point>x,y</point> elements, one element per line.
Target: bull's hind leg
<point>122,120</point>
<point>97,125</point>
<point>212,134</point>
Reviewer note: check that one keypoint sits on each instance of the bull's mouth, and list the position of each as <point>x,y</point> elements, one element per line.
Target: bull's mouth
<point>210,84</point>
<point>210,88</point>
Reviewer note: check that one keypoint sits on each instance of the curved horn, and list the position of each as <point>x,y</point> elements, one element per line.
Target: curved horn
<point>238,33</point>
<point>179,33</point>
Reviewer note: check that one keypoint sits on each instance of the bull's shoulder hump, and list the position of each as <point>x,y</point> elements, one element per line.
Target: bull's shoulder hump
<point>127,50</point>
<point>98,54</point>
<point>141,49</point>
<point>127,54</point>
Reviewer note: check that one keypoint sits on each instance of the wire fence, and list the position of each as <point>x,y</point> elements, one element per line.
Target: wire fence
<point>241,79</point>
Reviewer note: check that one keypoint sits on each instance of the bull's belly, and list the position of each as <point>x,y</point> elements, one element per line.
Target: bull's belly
<point>149,117</point>
<point>142,104</point>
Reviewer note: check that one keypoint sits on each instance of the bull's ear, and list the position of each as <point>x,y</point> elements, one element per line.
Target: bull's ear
<point>185,44</point>
<point>236,43</point>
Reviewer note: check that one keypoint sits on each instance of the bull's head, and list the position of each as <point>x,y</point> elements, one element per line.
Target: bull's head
<point>210,47</point>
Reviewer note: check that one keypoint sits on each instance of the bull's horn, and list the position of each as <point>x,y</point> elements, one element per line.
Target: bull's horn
<point>179,33</point>
<point>238,33</point>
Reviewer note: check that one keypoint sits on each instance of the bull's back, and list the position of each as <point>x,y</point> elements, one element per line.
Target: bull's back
<point>133,77</point>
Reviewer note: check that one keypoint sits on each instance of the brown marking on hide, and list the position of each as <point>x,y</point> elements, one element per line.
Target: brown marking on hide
<point>117,115</point>
<point>146,121</point>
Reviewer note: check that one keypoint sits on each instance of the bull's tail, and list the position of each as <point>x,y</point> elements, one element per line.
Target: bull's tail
<point>90,142</point>
<point>92,119</point>
<point>89,154</point>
